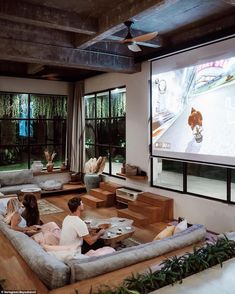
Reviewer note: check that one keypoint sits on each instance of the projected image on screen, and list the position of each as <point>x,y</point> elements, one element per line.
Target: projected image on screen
<point>193,112</point>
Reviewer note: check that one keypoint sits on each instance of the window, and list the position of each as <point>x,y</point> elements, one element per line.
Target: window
<point>105,133</point>
<point>168,174</point>
<point>204,180</point>
<point>30,123</point>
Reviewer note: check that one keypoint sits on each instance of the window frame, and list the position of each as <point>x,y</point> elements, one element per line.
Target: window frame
<point>108,119</point>
<point>29,145</point>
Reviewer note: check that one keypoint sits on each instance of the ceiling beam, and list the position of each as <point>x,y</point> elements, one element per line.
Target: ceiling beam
<point>20,11</point>
<point>185,38</point>
<point>112,21</point>
<point>217,26</point>
<point>26,32</point>
<point>34,68</point>
<point>20,51</point>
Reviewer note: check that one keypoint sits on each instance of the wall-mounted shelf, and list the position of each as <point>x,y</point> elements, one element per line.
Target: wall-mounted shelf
<point>136,178</point>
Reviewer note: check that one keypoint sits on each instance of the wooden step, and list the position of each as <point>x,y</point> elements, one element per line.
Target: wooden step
<point>107,196</point>
<point>153,213</point>
<point>110,186</point>
<point>139,219</point>
<point>161,201</point>
<point>92,201</point>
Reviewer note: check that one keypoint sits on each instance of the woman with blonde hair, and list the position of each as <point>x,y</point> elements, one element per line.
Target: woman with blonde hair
<point>14,218</point>
<point>48,233</point>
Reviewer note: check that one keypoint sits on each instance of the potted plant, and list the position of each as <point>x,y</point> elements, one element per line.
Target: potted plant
<point>49,158</point>
<point>93,168</point>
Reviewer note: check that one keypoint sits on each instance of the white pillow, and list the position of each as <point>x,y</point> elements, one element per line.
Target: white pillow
<point>51,185</point>
<point>181,226</point>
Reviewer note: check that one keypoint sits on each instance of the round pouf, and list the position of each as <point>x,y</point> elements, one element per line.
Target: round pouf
<point>91,181</point>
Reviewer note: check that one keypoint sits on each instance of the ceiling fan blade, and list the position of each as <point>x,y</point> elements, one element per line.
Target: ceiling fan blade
<point>150,45</point>
<point>145,37</point>
<point>134,47</point>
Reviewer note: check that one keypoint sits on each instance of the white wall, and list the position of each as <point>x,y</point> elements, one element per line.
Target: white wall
<point>217,217</point>
<point>33,86</point>
<point>137,86</point>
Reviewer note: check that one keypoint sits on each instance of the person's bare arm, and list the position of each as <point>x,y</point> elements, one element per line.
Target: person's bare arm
<point>91,239</point>
<point>15,220</point>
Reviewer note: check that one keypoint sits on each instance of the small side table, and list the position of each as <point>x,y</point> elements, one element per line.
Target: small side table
<point>35,191</point>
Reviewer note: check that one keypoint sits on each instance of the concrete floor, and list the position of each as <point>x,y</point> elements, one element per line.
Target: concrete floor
<point>215,280</point>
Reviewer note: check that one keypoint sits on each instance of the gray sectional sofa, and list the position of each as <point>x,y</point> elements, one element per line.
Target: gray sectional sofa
<point>54,273</point>
<point>12,182</point>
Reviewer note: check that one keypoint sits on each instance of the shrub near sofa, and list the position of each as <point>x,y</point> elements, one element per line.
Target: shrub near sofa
<point>12,182</point>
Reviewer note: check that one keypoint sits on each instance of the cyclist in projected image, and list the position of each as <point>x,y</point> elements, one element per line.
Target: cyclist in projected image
<point>195,122</point>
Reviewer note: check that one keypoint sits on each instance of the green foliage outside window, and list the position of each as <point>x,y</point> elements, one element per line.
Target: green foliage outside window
<point>24,135</point>
<point>9,105</point>
<point>48,106</point>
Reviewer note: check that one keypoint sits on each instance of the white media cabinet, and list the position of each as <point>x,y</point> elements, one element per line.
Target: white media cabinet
<point>124,195</point>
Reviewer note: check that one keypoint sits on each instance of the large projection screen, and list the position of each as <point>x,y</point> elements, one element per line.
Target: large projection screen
<point>193,104</point>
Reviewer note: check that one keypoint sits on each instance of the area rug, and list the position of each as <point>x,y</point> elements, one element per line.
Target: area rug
<point>129,242</point>
<point>45,207</point>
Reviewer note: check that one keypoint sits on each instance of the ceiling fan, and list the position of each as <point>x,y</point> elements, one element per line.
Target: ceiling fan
<point>51,76</point>
<point>134,42</point>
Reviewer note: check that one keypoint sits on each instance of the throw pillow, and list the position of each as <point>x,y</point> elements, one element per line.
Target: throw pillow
<point>181,226</point>
<point>167,232</point>
<point>51,185</point>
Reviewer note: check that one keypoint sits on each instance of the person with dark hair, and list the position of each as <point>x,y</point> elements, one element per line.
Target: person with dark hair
<point>14,219</point>
<point>31,212</point>
<point>75,231</point>
<point>48,233</point>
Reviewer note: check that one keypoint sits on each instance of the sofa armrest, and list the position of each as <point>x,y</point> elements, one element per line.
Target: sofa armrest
<point>52,272</point>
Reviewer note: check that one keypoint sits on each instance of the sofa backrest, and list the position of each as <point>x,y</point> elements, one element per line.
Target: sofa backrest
<point>52,272</point>
<point>87,268</point>
<point>12,178</point>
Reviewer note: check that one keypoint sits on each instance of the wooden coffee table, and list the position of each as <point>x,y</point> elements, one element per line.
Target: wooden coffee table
<point>113,236</point>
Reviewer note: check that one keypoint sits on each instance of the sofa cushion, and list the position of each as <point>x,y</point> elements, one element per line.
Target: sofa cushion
<point>94,266</point>
<point>10,178</point>
<point>14,189</point>
<point>52,272</point>
<point>167,232</point>
<point>181,226</point>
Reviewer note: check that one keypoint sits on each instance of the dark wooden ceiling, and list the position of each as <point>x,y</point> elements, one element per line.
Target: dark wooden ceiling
<point>70,40</point>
